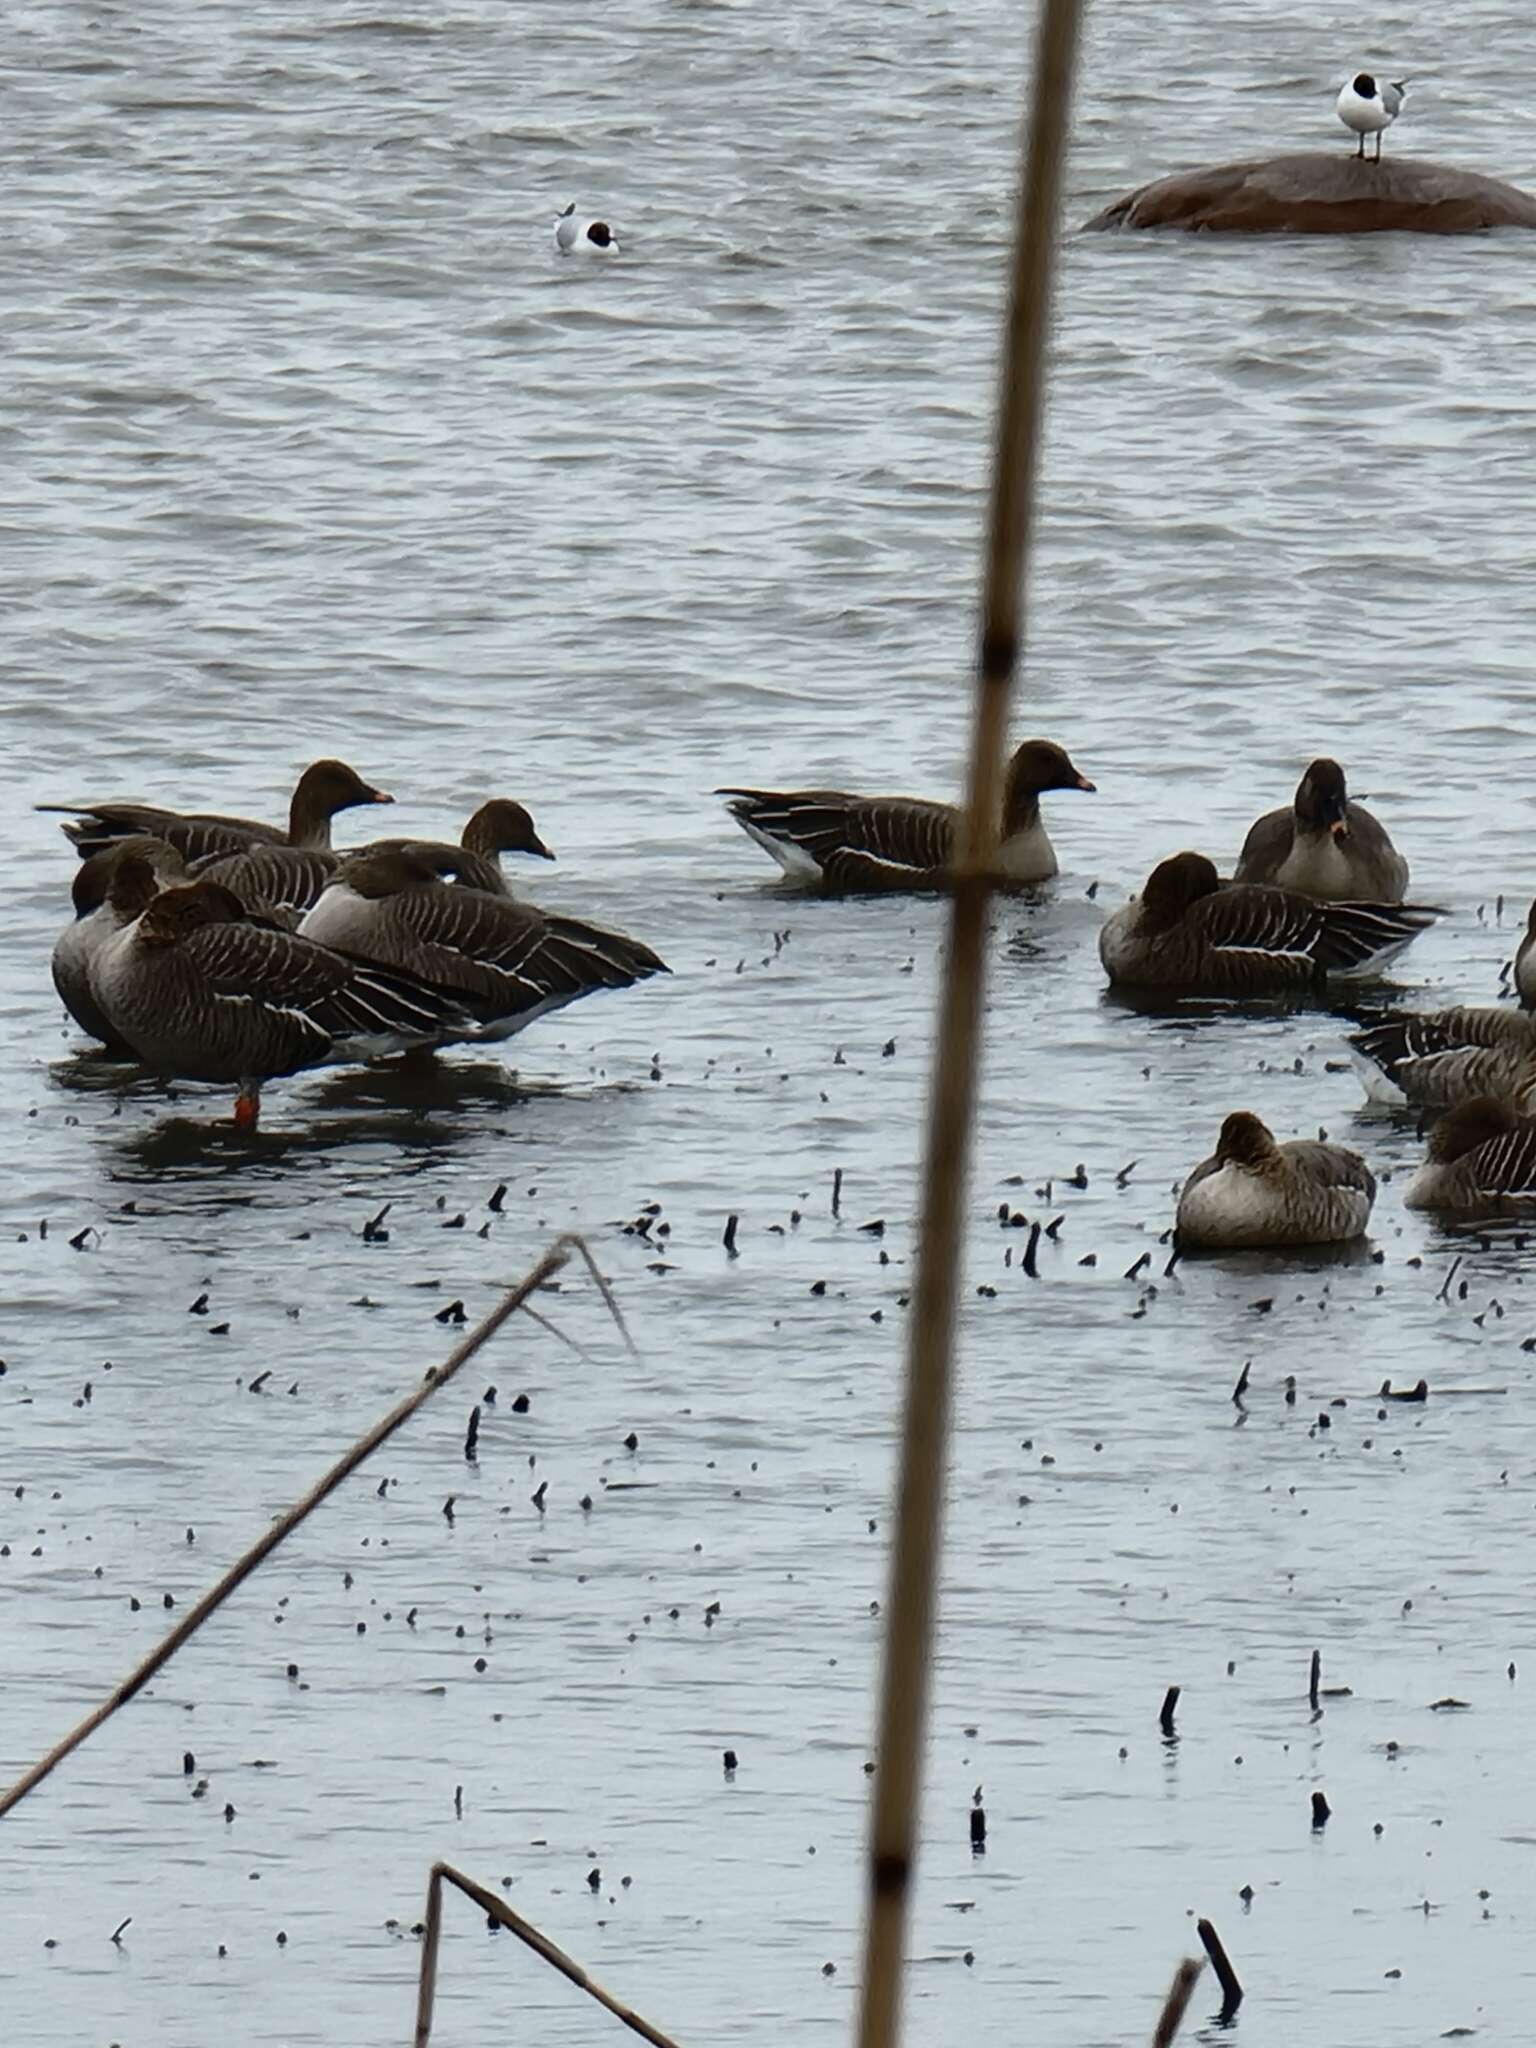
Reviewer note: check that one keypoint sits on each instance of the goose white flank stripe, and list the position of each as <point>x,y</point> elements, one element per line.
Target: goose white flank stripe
<point>1367,108</point>
<point>575,237</point>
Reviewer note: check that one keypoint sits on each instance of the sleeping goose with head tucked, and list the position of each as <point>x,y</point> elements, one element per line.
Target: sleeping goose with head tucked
<point>508,962</point>
<point>202,993</point>
<point>324,788</point>
<point>1189,931</point>
<point>1482,1155</point>
<point>97,918</point>
<point>827,839</point>
<point>289,879</point>
<point>1325,845</point>
<point>1253,1192</point>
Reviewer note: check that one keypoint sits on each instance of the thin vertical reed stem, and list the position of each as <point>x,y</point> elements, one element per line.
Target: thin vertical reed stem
<point>552,1261</point>
<point>914,1570</point>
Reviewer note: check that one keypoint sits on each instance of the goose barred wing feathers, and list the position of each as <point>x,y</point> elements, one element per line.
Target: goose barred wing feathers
<point>1279,926</point>
<point>327,997</point>
<point>853,839</point>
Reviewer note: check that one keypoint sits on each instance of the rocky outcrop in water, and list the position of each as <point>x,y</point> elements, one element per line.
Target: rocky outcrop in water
<point>1324,193</point>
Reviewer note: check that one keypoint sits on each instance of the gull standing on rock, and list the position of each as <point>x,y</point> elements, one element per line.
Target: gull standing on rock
<point>575,237</point>
<point>1367,108</point>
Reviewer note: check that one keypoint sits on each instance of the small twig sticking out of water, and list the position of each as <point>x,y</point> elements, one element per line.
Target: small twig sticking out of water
<point>1445,1289</point>
<point>526,1932</point>
<point>1169,1708</point>
<point>472,1435</point>
<point>1231,1989</point>
<point>558,1255</point>
<point>1315,1680</point>
<point>729,1239</point>
<point>1242,1383</point>
<point>1320,1812</point>
<point>837,1191</point>
<point>1176,2004</point>
<point>119,1929</point>
<point>1029,1262</point>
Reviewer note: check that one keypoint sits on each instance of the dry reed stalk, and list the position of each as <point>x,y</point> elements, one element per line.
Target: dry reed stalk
<point>914,1570</point>
<point>1176,2004</point>
<point>525,1932</point>
<point>557,1256</point>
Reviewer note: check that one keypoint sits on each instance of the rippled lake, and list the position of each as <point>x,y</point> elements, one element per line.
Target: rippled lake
<point>310,445</point>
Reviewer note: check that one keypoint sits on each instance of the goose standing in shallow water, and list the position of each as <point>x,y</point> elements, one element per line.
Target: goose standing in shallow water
<point>1188,931</point>
<point>1324,845</point>
<point>289,879</point>
<point>1252,1192</point>
<point>1481,1154</point>
<point>508,962</point>
<point>324,788</point>
<point>97,919</point>
<point>203,994</point>
<point>841,843</point>
<point>1437,1058</point>
<point>575,237</point>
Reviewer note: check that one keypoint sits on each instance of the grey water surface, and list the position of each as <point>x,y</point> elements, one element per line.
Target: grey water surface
<point>310,444</point>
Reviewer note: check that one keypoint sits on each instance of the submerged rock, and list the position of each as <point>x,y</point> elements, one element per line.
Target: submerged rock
<point>1324,193</point>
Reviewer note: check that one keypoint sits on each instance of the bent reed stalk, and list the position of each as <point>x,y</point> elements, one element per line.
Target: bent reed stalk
<point>952,1095</point>
<point>526,1932</point>
<point>558,1255</point>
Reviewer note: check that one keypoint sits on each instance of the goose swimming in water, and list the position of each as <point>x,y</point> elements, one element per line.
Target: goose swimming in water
<point>575,237</point>
<point>324,788</point>
<point>830,840</point>
<point>1187,930</point>
<point>1324,845</point>
<point>289,880</point>
<point>1254,1192</point>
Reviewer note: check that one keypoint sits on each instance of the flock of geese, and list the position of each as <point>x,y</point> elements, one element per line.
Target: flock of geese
<point>220,949</point>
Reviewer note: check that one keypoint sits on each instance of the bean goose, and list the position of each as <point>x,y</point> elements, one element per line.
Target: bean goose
<point>1324,845</point>
<point>323,789</point>
<point>1525,963</point>
<point>509,962</point>
<point>1481,1154</point>
<point>1438,1058</point>
<point>96,920</point>
<point>203,994</point>
<point>1253,1192</point>
<point>1188,931</point>
<point>289,879</point>
<point>831,840</point>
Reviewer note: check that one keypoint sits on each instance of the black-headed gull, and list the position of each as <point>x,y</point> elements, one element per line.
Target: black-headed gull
<point>1367,108</point>
<point>575,237</point>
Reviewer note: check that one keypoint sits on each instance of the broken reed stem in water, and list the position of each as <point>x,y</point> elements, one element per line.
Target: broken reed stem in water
<point>525,1932</point>
<point>557,1256</point>
<point>1176,2004</point>
<point>914,1568</point>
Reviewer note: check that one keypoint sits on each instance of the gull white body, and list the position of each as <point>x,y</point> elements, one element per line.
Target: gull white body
<point>575,237</point>
<point>1367,107</point>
